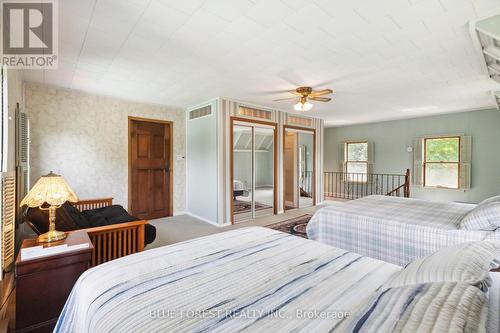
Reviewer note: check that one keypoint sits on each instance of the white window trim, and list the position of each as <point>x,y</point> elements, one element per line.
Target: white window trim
<point>346,161</point>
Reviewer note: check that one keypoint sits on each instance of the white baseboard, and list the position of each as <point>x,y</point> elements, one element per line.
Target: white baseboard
<point>180,213</point>
<point>206,220</point>
<point>200,218</point>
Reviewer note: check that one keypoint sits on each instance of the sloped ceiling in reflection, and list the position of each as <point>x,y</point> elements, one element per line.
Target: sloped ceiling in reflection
<point>243,141</point>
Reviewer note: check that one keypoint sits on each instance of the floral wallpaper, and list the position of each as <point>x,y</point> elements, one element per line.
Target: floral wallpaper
<point>84,138</point>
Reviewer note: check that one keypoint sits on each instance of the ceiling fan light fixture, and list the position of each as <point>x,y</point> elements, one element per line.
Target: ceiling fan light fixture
<point>306,106</point>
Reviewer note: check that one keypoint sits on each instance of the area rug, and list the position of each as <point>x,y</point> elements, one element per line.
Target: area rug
<point>246,206</point>
<point>295,226</point>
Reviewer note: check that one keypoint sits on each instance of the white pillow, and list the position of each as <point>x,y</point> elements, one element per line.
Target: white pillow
<point>431,307</point>
<point>489,200</point>
<point>484,217</point>
<point>468,262</point>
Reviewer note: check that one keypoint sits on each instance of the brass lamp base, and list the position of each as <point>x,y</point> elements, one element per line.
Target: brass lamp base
<point>51,236</point>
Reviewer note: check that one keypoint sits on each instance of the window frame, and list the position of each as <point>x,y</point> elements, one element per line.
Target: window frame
<point>347,161</point>
<point>458,163</point>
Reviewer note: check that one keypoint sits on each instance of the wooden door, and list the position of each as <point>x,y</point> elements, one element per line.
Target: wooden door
<point>150,169</point>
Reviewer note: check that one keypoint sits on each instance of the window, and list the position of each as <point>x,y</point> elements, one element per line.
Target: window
<point>442,162</point>
<point>356,162</point>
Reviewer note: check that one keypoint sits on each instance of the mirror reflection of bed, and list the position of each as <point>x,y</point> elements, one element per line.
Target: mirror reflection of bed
<point>264,199</point>
<point>253,171</point>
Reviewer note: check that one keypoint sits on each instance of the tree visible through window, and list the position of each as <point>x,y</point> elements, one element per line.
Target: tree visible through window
<point>442,162</point>
<point>356,160</point>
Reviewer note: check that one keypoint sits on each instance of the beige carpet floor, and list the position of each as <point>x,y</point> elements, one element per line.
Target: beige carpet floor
<point>179,228</point>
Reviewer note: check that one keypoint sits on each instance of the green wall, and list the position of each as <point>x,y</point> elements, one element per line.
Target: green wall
<point>392,138</point>
<point>201,154</point>
<point>263,168</point>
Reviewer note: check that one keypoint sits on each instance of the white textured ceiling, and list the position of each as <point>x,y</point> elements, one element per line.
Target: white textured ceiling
<point>386,59</point>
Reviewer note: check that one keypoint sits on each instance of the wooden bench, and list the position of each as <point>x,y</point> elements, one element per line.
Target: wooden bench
<point>111,241</point>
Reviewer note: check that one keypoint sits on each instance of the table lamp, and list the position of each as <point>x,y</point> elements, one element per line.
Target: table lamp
<point>53,190</point>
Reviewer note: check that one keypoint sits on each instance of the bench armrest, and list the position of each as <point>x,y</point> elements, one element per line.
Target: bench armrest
<point>115,240</point>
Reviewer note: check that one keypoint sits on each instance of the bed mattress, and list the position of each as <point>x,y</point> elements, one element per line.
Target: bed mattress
<point>253,279</point>
<point>392,229</point>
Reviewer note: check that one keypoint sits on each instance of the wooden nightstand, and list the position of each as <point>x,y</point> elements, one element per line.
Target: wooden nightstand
<point>44,284</point>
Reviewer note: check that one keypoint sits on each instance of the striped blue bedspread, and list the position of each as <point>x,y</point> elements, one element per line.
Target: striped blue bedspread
<point>253,279</point>
<point>392,229</point>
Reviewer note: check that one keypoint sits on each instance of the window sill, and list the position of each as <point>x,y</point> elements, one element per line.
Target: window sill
<point>441,188</point>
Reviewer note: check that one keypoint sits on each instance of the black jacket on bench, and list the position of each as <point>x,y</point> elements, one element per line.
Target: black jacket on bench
<point>115,214</point>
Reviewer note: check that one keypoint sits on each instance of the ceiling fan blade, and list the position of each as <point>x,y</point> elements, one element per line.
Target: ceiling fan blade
<point>321,92</point>
<point>284,99</point>
<point>320,99</point>
<point>295,93</point>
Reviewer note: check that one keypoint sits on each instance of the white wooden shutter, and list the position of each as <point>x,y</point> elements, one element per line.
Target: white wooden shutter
<point>22,137</point>
<point>465,162</point>
<point>8,206</point>
<point>371,156</point>
<point>22,158</point>
<point>418,153</point>
<point>371,161</point>
<point>342,157</point>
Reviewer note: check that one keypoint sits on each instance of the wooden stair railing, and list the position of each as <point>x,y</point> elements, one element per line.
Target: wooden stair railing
<point>348,185</point>
<point>112,241</point>
<point>405,187</point>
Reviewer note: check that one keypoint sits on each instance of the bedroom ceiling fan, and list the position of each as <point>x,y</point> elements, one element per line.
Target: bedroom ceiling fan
<point>303,94</point>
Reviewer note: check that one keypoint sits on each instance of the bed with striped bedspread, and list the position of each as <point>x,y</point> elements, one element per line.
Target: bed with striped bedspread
<point>253,279</point>
<point>393,229</point>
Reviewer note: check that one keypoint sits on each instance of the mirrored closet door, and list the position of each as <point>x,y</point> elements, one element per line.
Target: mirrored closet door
<point>298,167</point>
<point>253,170</point>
